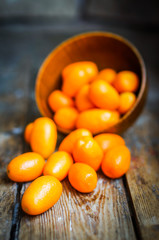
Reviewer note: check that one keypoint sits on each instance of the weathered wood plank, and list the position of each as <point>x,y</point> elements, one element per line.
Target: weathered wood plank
<point>13,105</point>
<point>102,214</point>
<point>143,176</point>
<point>10,146</point>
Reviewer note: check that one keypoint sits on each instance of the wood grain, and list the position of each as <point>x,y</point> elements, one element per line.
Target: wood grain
<point>10,146</point>
<point>102,214</point>
<point>143,176</point>
<point>13,112</point>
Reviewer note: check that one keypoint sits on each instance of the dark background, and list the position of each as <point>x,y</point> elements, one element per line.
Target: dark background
<point>29,30</point>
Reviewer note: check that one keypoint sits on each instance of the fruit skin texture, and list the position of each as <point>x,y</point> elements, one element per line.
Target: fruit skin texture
<point>126,81</point>
<point>44,136</point>
<point>107,75</point>
<point>69,141</point>
<point>58,165</point>
<point>57,99</point>
<point>76,75</point>
<point>86,150</point>
<point>82,100</point>
<point>41,195</point>
<point>97,120</point>
<point>66,118</point>
<point>28,131</point>
<point>127,100</point>
<point>103,95</point>
<point>116,161</point>
<point>108,140</point>
<point>25,167</point>
<point>82,177</point>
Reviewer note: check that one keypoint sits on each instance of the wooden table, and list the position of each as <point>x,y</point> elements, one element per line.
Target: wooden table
<point>126,208</point>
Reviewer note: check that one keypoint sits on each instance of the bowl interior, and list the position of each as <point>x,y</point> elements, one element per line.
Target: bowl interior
<point>105,49</point>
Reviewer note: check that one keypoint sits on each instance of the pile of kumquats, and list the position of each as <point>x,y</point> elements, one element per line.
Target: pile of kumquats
<point>90,101</point>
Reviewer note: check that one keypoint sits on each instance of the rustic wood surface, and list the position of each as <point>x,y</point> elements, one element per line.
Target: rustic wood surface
<point>126,208</point>
<point>12,121</point>
<point>103,214</point>
<point>143,177</point>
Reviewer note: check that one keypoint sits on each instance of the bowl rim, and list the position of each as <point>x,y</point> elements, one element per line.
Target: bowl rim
<point>87,35</point>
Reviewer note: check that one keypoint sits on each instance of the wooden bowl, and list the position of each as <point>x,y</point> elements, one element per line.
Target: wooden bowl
<point>107,50</point>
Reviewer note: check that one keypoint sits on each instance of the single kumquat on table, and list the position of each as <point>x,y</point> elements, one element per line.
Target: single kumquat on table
<point>109,140</point>
<point>58,165</point>
<point>25,167</point>
<point>68,142</point>
<point>41,195</point>
<point>82,177</point>
<point>116,161</point>
<point>86,150</point>
<point>28,131</point>
<point>43,136</point>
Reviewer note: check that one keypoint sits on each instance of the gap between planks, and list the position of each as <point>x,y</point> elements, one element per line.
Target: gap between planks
<point>16,215</point>
<point>132,209</point>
